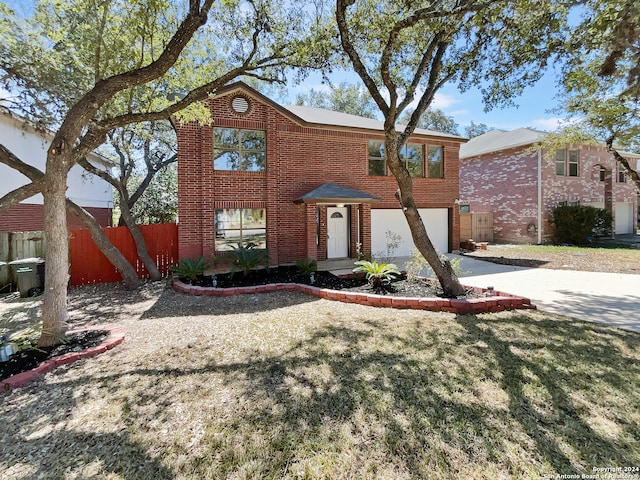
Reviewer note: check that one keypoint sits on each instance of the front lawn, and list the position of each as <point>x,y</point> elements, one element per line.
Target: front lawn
<point>282,385</point>
<point>607,257</point>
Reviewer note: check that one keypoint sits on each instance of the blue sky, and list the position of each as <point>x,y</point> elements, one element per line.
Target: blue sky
<point>533,110</point>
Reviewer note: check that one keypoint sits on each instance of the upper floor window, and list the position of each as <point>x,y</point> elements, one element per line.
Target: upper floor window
<point>413,156</point>
<point>435,162</point>
<point>567,163</point>
<point>377,163</point>
<point>239,150</point>
<point>622,177</point>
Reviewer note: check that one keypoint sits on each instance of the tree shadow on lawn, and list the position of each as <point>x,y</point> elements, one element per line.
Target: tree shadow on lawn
<point>43,447</point>
<point>426,400</point>
<point>508,395</point>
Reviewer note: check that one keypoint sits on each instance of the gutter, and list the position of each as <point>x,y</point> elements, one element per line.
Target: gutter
<point>539,195</point>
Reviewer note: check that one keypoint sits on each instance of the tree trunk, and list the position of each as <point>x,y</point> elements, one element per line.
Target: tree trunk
<point>141,246</point>
<point>440,264</point>
<point>631,172</point>
<point>129,275</point>
<point>54,307</point>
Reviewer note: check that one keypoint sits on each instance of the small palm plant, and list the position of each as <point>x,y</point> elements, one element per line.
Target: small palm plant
<point>379,275</point>
<point>189,269</point>
<point>246,258</point>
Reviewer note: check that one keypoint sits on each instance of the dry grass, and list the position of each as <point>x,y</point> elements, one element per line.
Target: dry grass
<point>599,259</point>
<point>286,386</point>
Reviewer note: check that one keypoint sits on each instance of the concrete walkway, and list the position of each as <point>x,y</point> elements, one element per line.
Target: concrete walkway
<point>610,298</point>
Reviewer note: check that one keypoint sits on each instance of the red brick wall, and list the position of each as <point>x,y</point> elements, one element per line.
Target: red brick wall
<point>299,159</point>
<point>506,183</point>
<point>29,217</point>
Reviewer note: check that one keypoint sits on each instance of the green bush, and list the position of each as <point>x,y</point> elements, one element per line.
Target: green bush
<point>248,257</point>
<point>189,269</point>
<point>306,266</point>
<point>379,275</point>
<point>418,266</point>
<point>578,224</point>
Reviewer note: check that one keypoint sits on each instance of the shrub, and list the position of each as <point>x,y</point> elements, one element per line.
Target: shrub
<point>247,258</point>
<point>189,269</point>
<point>306,266</point>
<point>577,224</point>
<point>393,243</point>
<point>379,275</point>
<point>418,265</point>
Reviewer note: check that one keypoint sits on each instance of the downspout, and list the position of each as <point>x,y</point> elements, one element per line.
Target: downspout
<point>539,195</point>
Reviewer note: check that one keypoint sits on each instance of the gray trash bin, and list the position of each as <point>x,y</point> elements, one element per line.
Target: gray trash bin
<point>4,277</point>
<point>29,275</point>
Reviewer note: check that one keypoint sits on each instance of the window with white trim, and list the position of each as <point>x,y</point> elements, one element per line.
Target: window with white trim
<point>567,163</point>
<point>622,173</point>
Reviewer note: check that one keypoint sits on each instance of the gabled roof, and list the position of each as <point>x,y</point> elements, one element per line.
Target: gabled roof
<point>497,140</point>
<point>323,118</point>
<point>332,193</point>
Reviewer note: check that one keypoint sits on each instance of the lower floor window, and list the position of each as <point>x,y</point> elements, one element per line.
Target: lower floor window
<point>240,226</point>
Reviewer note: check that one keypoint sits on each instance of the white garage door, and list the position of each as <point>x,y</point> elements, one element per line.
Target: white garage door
<point>623,218</point>
<point>436,220</point>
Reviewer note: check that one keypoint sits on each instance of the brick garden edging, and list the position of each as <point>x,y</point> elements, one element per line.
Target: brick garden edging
<point>497,302</point>
<point>116,337</point>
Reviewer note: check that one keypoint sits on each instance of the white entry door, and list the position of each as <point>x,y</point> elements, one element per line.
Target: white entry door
<point>337,232</point>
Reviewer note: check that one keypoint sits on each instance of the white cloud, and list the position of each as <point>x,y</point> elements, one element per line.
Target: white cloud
<point>442,100</point>
<point>548,124</point>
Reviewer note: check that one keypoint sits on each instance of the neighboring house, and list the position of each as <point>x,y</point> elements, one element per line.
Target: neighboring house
<point>305,182</point>
<point>506,173</point>
<point>30,146</point>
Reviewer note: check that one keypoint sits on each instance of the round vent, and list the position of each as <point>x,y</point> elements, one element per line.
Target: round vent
<point>240,105</point>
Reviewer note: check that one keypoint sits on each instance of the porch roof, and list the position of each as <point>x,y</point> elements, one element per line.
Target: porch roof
<point>332,193</point>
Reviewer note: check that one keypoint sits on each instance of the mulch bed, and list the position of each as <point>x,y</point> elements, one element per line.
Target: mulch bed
<point>401,286</point>
<point>28,359</point>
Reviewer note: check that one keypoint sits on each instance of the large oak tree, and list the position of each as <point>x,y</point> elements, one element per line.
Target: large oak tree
<point>602,77</point>
<point>404,52</point>
<point>87,67</point>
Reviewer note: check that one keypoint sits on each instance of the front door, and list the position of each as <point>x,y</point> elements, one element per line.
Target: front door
<point>337,232</point>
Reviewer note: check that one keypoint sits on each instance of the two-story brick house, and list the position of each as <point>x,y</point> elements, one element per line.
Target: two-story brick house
<point>304,182</point>
<point>508,174</point>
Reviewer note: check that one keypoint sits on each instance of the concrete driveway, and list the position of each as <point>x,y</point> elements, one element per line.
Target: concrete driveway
<point>610,298</point>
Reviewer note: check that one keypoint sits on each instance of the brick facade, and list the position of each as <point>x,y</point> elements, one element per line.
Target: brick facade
<point>29,217</point>
<point>509,182</point>
<point>300,157</point>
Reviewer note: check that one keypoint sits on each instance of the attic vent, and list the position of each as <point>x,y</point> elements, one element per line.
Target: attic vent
<point>240,105</point>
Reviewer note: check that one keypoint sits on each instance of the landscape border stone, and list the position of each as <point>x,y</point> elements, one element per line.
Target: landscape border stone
<point>497,302</point>
<point>116,337</point>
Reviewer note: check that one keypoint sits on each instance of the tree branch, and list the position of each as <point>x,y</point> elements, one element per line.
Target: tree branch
<point>631,172</point>
<point>358,65</point>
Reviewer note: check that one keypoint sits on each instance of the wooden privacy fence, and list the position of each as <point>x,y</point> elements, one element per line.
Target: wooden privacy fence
<point>89,265</point>
<point>16,246</point>
<point>476,226</point>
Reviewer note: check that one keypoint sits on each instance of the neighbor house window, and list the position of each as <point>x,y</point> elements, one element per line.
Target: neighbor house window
<point>239,150</point>
<point>240,226</point>
<point>622,177</point>
<point>435,162</point>
<point>377,163</point>
<point>567,163</point>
